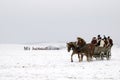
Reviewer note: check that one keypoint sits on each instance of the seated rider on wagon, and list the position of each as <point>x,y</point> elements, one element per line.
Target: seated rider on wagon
<point>94,41</point>
<point>110,41</point>
<point>102,43</point>
<point>98,40</point>
<point>107,44</point>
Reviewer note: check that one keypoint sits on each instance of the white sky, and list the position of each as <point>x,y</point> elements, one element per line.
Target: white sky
<point>26,21</point>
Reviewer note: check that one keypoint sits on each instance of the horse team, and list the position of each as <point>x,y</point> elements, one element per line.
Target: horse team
<point>98,48</point>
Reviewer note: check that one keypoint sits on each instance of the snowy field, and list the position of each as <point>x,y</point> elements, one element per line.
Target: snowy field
<point>19,64</point>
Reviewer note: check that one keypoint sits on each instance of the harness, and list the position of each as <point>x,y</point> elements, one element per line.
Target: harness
<point>81,47</point>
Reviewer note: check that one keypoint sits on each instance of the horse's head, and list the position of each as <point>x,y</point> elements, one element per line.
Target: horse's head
<point>70,45</point>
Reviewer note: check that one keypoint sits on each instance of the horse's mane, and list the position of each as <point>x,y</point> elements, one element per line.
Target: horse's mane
<point>83,41</point>
<point>72,44</point>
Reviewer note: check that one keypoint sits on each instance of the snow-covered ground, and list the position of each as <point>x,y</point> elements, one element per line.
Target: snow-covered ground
<point>19,64</point>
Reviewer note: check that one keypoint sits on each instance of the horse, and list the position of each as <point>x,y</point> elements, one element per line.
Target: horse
<point>72,45</point>
<point>87,50</point>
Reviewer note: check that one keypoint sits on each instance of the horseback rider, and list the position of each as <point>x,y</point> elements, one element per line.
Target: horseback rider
<point>80,42</point>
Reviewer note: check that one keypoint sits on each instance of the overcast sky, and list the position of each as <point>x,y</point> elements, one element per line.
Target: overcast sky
<point>29,21</point>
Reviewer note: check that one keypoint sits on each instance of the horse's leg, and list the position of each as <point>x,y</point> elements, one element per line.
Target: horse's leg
<point>79,57</point>
<point>91,54</point>
<point>71,57</point>
<point>88,57</point>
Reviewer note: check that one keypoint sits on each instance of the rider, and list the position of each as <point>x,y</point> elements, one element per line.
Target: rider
<point>98,40</point>
<point>102,43</point>
<point>110,41</point>
<point>106,41</point>
<point>94,41</point>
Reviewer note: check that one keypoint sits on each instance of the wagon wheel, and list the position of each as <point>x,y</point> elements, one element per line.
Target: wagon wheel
<point>108,56</point>
<point>102,55</point>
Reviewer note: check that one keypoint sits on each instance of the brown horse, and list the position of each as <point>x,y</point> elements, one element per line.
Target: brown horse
<point>73,46</point>
<point>87,50</point>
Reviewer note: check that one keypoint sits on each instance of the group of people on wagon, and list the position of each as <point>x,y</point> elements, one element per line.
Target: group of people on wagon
<point>102,42</point>
<point>97,41</point>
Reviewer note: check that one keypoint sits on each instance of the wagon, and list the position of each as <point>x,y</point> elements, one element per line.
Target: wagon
<point>102,52</point>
